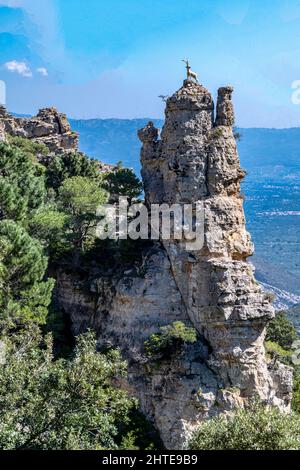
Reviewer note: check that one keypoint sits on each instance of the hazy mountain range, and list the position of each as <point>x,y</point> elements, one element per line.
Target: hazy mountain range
<point>264,152</point>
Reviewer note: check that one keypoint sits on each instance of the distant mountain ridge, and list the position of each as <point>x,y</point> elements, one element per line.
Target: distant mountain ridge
<point>112,140</point>
<point>263,151</point>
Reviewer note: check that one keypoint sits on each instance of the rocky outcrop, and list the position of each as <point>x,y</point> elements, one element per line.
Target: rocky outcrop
<point>212,287</point>
<point>49,127</point>
<point>2,132</point>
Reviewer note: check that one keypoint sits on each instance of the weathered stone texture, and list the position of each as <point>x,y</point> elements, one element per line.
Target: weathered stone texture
<point>2,132</point>
<point>211,288</point>
<point>49,127</point>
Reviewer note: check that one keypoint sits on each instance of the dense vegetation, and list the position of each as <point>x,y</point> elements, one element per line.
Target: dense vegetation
<point>55,394</point>
<point>283,345</point>
<point>62,403</point>
<point>257,428</point>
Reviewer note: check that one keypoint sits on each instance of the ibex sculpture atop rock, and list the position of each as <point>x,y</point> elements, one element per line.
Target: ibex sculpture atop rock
<point>189,73</point>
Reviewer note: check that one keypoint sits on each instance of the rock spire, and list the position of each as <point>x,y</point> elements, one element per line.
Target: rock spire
<point>196,159</point>
<point>193,160</point>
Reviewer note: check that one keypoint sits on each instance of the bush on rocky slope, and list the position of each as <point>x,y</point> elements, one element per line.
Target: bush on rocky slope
<point>256,428</point>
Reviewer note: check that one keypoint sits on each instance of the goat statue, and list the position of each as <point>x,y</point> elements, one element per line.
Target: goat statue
<point>189,73</point>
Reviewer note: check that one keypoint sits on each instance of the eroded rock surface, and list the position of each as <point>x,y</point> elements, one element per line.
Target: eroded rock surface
<point>49,127</point>
<point>2,132</point>
<point>211,288</point>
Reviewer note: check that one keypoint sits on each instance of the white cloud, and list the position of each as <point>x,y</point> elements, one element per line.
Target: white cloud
<point>43,71</point>
<point>18,67</point>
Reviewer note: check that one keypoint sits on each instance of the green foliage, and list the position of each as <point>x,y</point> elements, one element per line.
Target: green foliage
<point>257,428</point>
<point>236,134</point>
<point>22,188</point>
<point>52,397</point>
<point>29,147</point>
<point>48,226</point>
<point>281,330</point>
<point>169,340</point>
<point>217,133</point>
<point>80,198</point>
<point>276,352</point>
<point>60,404</point>
<point>274,349</point>
<point>281,335</point>
<point>139,433</point>
<point>68,165</point>
<point>24,296</point>
<point>296,392</point>
<point>123,182</point>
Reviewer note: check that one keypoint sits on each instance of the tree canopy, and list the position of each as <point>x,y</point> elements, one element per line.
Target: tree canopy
<point>123,182</point>
<point>22,187</point>
<point>81,198</point>
<point>281,331</point>
<point>60,404</point>
<point>24,294</point>
<point>68,165</point>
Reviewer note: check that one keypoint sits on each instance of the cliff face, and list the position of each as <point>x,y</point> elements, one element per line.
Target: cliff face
<point>196,160</point>
<point>49,127</point>
<point>211,288</point>
<point>2,132</point>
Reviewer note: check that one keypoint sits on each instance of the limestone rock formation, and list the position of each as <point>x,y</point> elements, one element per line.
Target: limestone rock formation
<point>196,159</point>
<point>49,127</point>
<point>211,288</point>
<point>2,132</point>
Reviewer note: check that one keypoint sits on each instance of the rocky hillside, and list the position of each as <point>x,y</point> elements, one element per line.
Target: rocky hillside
<point>49,128</point>
<point>211,288</point>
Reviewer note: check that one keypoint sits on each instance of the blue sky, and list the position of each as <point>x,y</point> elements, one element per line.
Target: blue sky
<point>112,58</point>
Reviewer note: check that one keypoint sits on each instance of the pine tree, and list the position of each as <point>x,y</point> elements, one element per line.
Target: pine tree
<point>24,295</point>
<point>68,165</point>
<point>80,198</point>
<point>22,187</point>
<point>123,182</point>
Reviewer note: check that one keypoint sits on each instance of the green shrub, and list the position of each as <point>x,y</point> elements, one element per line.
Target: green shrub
<point>169,340</point>
<point>274,350</point>
<point>296,391</point>
<point>60,404</point>
<point>32,149</point>
<point>80,198</point>
<point>281,331</point>
<point>217,132</point>
<point>256,428</point>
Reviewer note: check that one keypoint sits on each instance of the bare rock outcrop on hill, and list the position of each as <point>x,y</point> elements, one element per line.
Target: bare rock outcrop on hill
<point>48,127</point>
